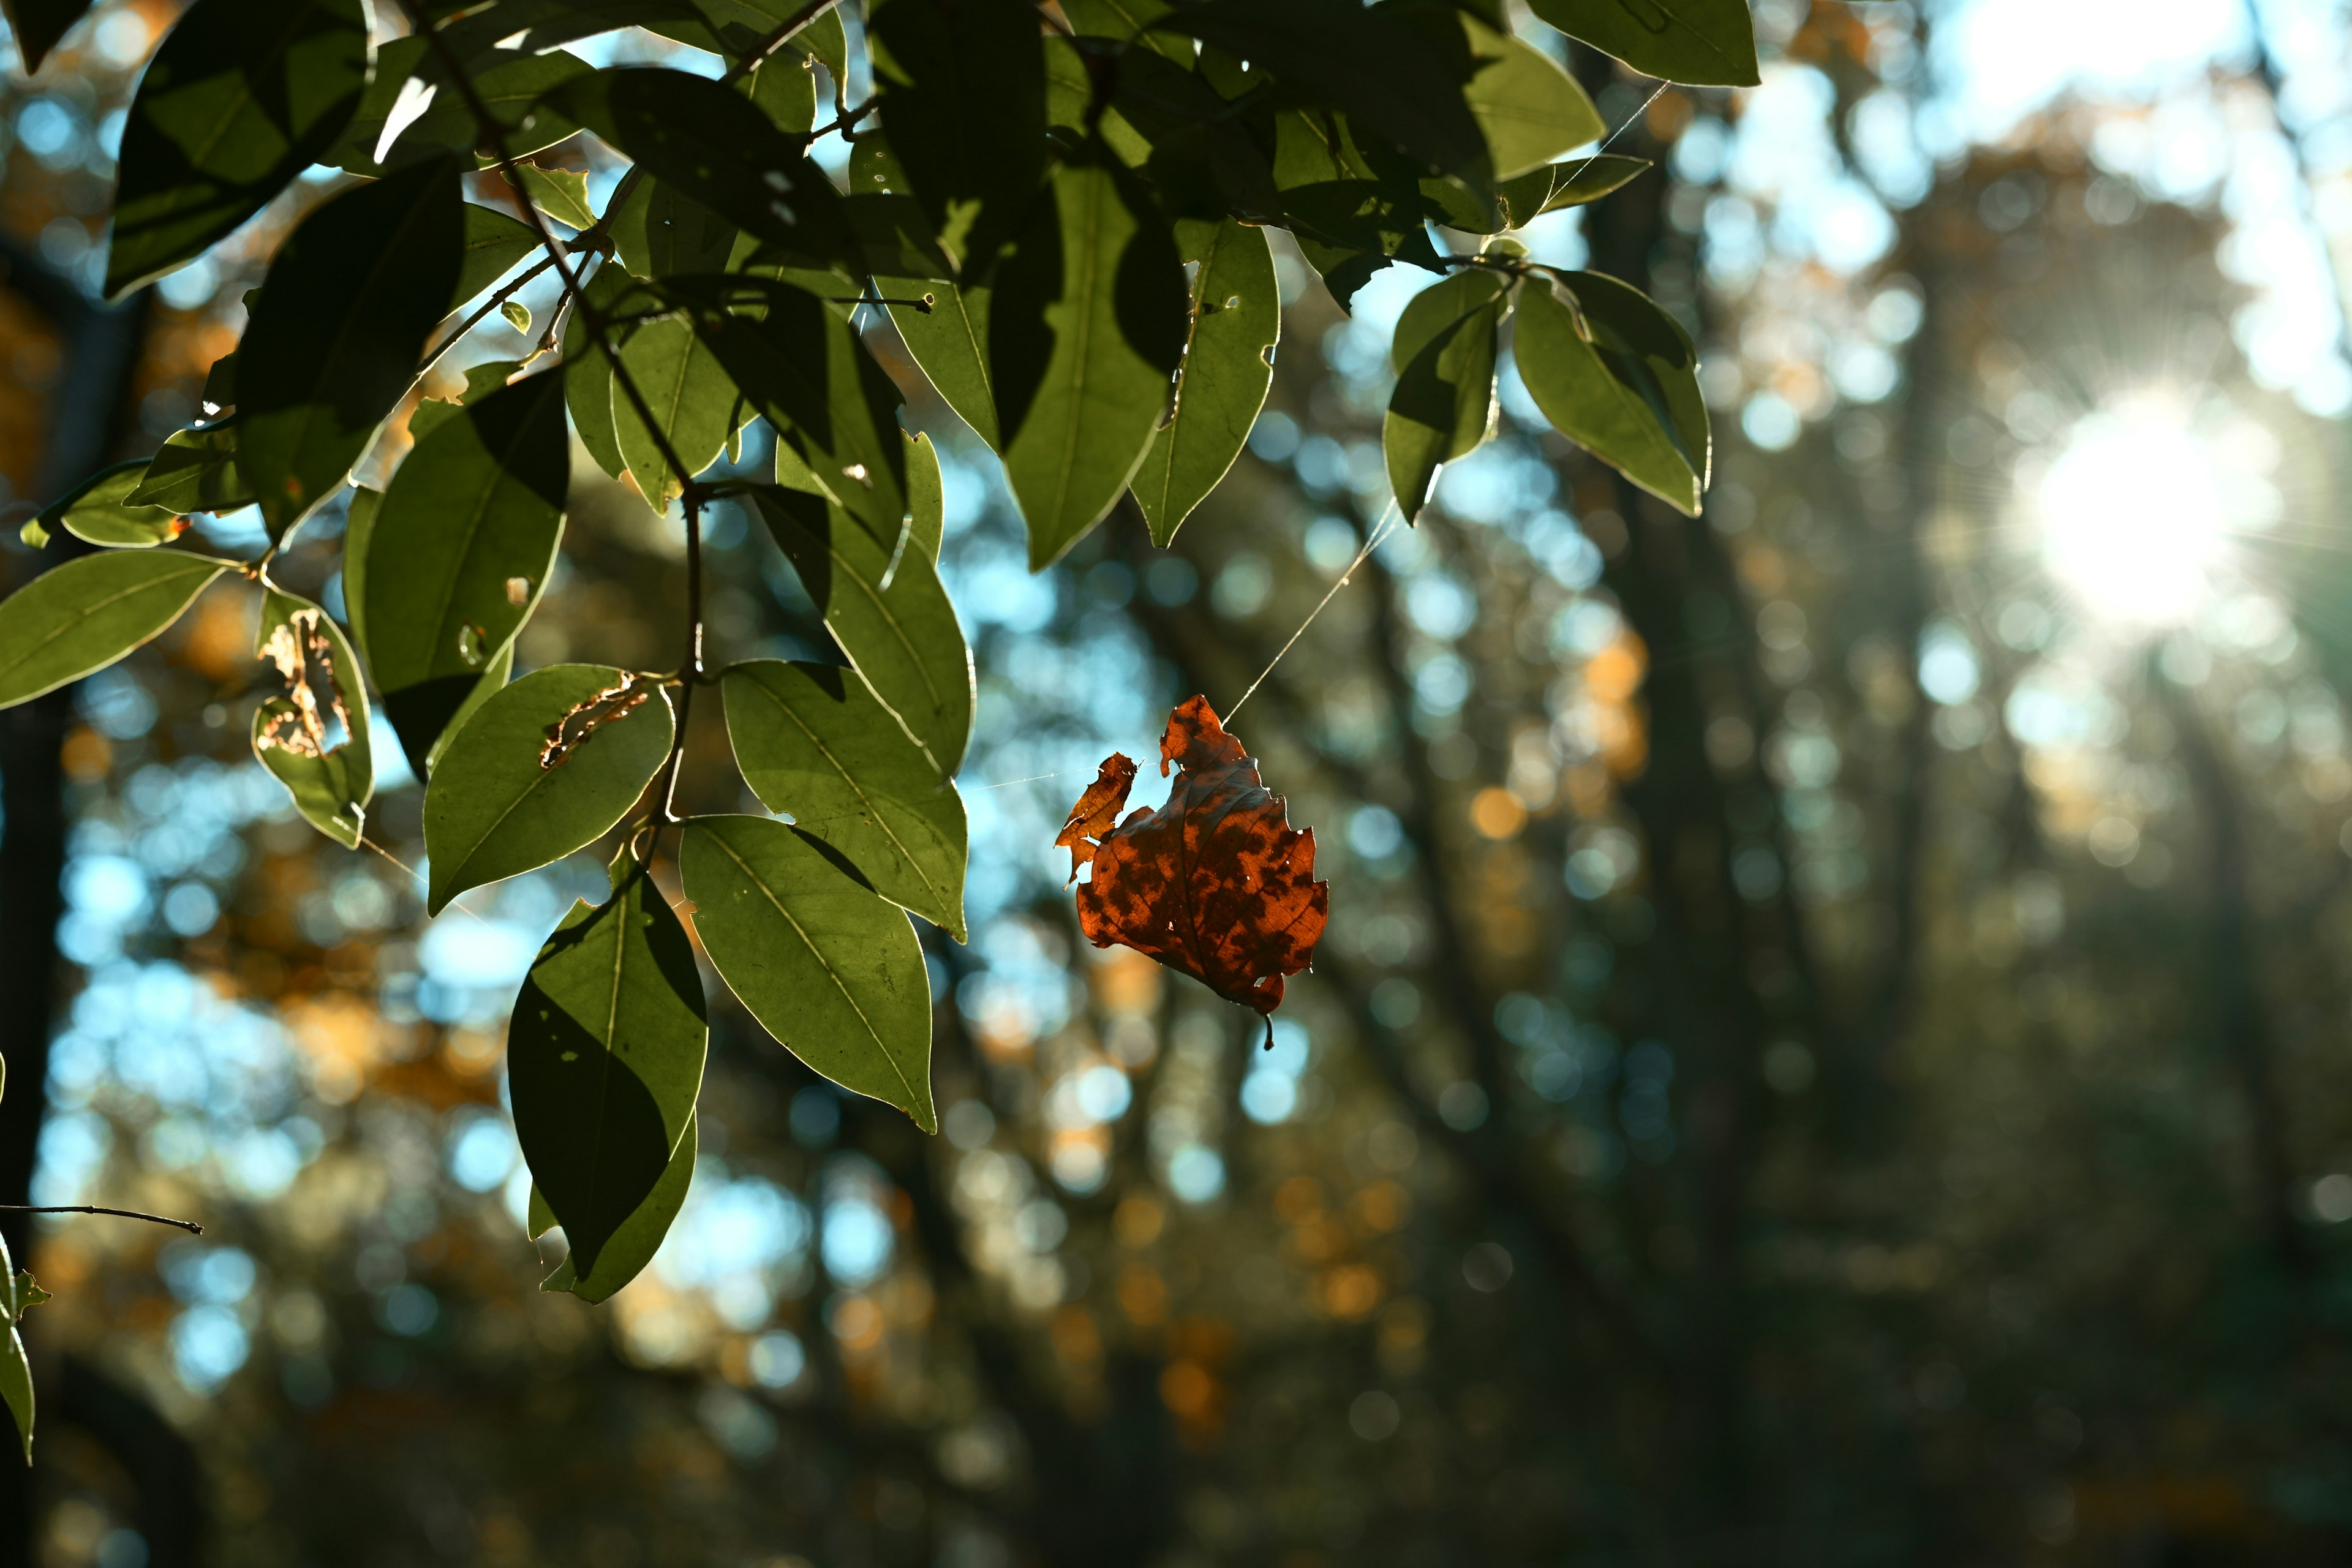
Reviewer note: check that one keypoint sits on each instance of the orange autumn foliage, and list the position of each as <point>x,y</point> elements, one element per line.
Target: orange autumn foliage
<point>1215,883</point>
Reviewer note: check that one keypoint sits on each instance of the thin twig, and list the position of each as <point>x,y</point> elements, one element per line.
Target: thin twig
<point>1386,522</point>
<point>691,670</point>
<point>187,1224</point>
<point>493,135</point>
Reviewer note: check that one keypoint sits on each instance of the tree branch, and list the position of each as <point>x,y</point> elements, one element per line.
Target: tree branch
<point>190,1226</point>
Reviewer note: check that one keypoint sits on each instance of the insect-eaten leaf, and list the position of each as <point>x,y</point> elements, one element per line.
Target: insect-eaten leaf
<point>604,1060</point>
<point>98,509</point>
<point>314,738</point>
<point>543,768</point>
<point>1215,883</point>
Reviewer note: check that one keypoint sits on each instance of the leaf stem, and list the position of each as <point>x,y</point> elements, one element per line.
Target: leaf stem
<point>187,1224</point>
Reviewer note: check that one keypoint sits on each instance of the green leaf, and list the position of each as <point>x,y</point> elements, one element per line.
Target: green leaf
<point>925,496</point>
<point>588,375</point>
<point>1228,367</point>
<point>833,972</point>
<point>242,96</point>
<point>1086,329</point>
<point>902,638</point>
<point>459,553</point>
<point>99,510</point>
<point>220,386</point>
<point>39,25</point>
<point>1126,20</point>
<point>493,244</point>
<point>1621,382</point>
<point>604,1059</point>
<point>510,87</point>
<point>1444,397</point>
<point>1396,79</point>
<point>963,92</point>
<point>1352,202</point>
<point>800,364</point>
<point>545,767</point>
<point>816,744</point>
<point>1531,111</point>
<point>359,529</point>
<point>785,90</point>
<point>336,332</point>
<point>658,233</point>
<point>692,402</point>
<point>710,144</point>
<point>636,1239</point>
<point>481,381</point>
<point>561,194</point>
<point>950,346</point>
<point>17,1386</point>
<point>196,470</point>
<point>1567,184</point>
<point>314,739</point>
<point>517,315</point>
<point>1700,43</point>
<point>83,615</point>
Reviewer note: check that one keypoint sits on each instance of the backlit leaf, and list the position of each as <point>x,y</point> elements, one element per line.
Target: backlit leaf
<point>460,552</point>
<point>99,511</point>
<point>313,735</point>
<point>1395,78</point>
<point>829,969</point>
<point>963,92</point>
<point>493,244</point>
<point>1086,328</point>
<point>903,638</point>
<point>16,1387</point>
<point>714,145</point>
<point>604,1059</point>
<point>1621,382</point>
<point>1443,352</point>
<point>1228,367</point>
<point>588,375</point>
<point>242,96</point>
<point>1531,110</point>
<point>546,766</point>
<point>925,496</point>
<point>658,232</point>
<point>83,615</point>
<point>196,470</point>
<point>691,399</point>
<point>561,194</point>
<point>816,745</point>
<point>950,345</point>
<point>1702,43</point>
<point>636,1239</point>
<point>350,298</point>
<point>799,363</point>
<point>1215,884</point>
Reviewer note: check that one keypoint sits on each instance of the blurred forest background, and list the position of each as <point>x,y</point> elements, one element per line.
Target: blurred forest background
<point>1832,1044</point>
